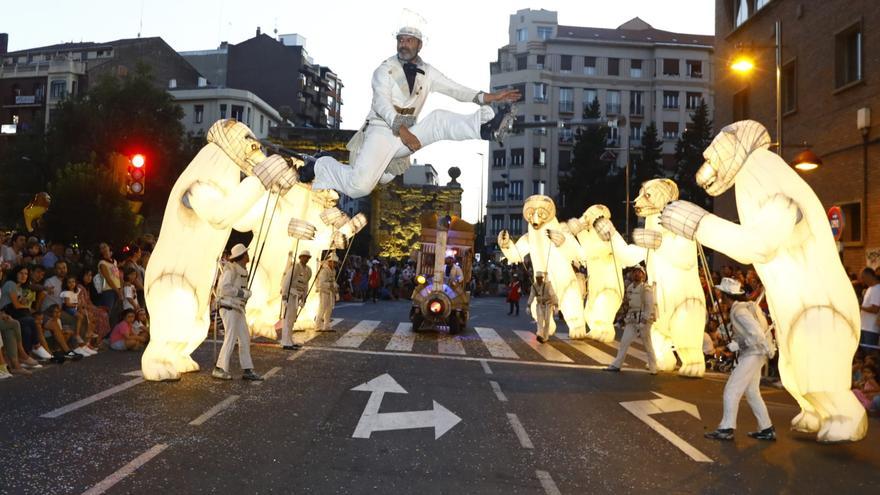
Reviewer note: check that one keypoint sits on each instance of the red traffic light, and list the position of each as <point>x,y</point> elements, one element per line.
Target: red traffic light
<point>138,160</point>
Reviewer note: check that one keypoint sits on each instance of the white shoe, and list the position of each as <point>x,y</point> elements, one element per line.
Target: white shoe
<point>82,352</point>
<point>4,374</point>
<point>88,350</point>
<point>31,366</point>
<point>41,353</point>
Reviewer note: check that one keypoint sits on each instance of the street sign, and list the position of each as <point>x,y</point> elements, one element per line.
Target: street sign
<point>643,409</point>
<point>439,418</point>
<point>837,221</point>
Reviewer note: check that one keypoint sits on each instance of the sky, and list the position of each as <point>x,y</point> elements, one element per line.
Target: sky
<point>350,37</point>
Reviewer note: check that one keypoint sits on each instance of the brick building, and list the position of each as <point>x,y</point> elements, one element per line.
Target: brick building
<point>830,70</point>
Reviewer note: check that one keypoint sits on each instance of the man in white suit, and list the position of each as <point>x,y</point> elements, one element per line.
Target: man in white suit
<point>401,85</point>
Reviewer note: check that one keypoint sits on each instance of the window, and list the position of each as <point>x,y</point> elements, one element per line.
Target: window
<point>564,162</point>
<point>516,190</point>
<point>590,95</point>
<point>852,231</point>
<point>635,68</point>
<point>198,114</point>
<point>522,34</point>
<point>540,92</point>
<point>635,134</point>
<point>566,134</point>
<point>499,159</point>
<point>612,106</point>
<point>693,100</point>
<point>566,100</point>
<point>516,224</point>
<point>670,99</point>
<point>590,66</point>
<point>497,224</point>
<point>522,91</point>
<point>789,87</point>
<point>539,62</point>
<point>742,12</point>
<point>517,124</point>
<point>670,66</point>
<point>73,88</point>
<point>565,63</point>
<point>670,130</point>
<point>262,122</point>
<point>694,68</point>
<point>544,32</point>
<point>517,157</point>
<point>741,105</point>
<point>498,189</point>
<point>237,112</point>
<point>248,116</point>
<point>223,110</point>
<point>848,56</point>
<point>539,157</point>
<point>542,131</point>
<point>636,103</point>
<point>613,66</point>
<point>759,4</point>
<point>57,89</point>
<point>538,186</point>
<point>613,134</point>
<point>521,62</point>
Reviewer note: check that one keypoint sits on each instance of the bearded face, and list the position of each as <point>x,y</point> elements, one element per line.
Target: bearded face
<point>654,195</point>
<point>728,153</point>
<point>538,210</point>
<point>238,142</point>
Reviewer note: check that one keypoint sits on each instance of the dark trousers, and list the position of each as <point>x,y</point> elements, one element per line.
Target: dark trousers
<point>514,304</point>
<point>869,338</point>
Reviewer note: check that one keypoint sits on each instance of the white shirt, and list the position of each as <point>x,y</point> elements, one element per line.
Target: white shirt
<point>70,297</point>
<point>872,298</point>
<point>128,292</point>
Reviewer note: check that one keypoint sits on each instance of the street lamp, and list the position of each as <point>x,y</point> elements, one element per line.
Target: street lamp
<point>480,219</point>
<point>806,160</point>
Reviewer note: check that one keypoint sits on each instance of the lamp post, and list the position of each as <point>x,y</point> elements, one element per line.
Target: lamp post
<point>480,218</point>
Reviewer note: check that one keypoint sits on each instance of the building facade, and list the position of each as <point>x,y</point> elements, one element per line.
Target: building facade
<point>205,105</point>
<point>830,75</point>
<point>638,74</point>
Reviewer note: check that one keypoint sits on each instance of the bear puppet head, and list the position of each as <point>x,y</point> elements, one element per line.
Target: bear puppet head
<point>654,195</point>
<point>538,210</point>
<point>727,154</point>
<point>238,143</point>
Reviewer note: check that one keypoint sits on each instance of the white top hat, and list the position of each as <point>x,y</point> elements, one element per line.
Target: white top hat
<point>730,286</point>
<point>305,252</point>
<point>237,251</point>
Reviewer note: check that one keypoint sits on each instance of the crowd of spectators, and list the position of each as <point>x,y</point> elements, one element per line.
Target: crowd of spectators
<point>60,303</point>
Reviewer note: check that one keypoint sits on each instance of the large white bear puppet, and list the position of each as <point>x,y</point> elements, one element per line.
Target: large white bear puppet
<point>208,198</point>
<point>540,213</point>
<point>784,233</point>
<point>671,262</point>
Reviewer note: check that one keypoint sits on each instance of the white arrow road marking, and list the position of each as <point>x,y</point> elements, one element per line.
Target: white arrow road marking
<point>439,418</point>
<point>643,409</point>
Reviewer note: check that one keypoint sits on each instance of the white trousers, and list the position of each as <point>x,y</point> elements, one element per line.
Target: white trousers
<point>235,328</point>
<point>543,317</point>
<point>381,146</point>
<point>325,310</point>
<point>292,307</point>
<point>745,379</point>
<point>630,332</point>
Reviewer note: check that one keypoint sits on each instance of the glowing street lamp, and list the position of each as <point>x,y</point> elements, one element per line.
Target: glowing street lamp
<point>742,64</point>
<point>806,160</point>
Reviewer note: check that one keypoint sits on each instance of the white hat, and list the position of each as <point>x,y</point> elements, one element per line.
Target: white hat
<point>333,257</point>
<point>411,24</point>
<point>305,252</point>
<point>730,286</point>
<point>237,251</point>
<point>539,274</point>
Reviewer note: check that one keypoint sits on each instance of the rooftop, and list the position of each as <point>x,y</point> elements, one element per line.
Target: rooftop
<point>634,30</point>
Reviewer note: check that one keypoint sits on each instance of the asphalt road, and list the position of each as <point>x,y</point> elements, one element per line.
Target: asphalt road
<point>513,417</point>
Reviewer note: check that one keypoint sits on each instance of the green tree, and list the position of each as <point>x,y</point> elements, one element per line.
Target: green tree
<point>689,155</point>
<point>87,206</point>
<point>588,176</point>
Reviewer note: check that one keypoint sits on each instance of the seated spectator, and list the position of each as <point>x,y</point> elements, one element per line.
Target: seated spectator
<point>53,255</point>
<point>129,290</point>
<point>37,285</point>
<point>867,390</point>
<point>141,325</point>
<point>62,335</point>
<point>33,253</point>
<point>16,300</point>
<point>97,317</point>
<point>123,338</point>
<point>15,355</point>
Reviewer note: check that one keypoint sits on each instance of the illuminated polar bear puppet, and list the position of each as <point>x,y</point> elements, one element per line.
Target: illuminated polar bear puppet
<point>784,233</point>
<point>205,202</point>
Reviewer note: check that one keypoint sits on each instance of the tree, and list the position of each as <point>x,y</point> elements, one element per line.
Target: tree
<point>689,156</point>
<point>87,206</point>
<point>586,180</point>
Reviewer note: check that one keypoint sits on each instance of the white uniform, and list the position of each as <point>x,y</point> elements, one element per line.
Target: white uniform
<point>294,294</point>
<point>746,377</point>
<point>637,321</point>
<point>546,302</point>
<point>233,292</point>
<point>454,275</point>
<point>393,103</point>
<point>327,289</point>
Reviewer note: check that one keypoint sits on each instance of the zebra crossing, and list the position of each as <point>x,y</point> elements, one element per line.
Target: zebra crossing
<point>475,342</point>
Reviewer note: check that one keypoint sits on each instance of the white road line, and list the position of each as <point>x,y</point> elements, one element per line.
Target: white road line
<point>546,351</point>
<point>92,398</point>
<point>497,389</point>
<point>449,344</point>
<point>631,351</point>
<point>521,434</point>
<point>298,354</point>
<point>403,338</point>
<point>347,305</point>
<point>269,374</point>
<point>126,470</point>
<point>496,345</point>
<point>486,368</point>
<point>358,334</point>
<point>134,373</point>
<point>210,413</point>
<point>588,350</point>
<point>547,482</point>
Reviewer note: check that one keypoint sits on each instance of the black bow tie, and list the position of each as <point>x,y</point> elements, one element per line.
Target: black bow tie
<point>410,69</point>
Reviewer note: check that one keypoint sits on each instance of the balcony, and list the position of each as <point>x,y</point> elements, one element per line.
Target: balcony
<point>566,136</point>
<point>566,107</point>
<point>612,108</point>
<point>23,101</point>
<point>540,99</point>
<point>636,110</point>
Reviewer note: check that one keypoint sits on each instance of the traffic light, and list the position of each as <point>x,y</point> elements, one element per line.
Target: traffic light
<point>136,177</point>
